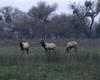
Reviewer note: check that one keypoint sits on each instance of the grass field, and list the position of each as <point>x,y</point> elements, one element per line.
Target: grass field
<point>83,65</point>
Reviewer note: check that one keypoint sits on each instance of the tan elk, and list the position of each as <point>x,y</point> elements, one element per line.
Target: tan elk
<point>24,45</point>
<point>48,46</point>
<point>70,45</point>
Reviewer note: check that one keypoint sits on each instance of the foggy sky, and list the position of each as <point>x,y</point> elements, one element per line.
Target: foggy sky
<point>25,5</point>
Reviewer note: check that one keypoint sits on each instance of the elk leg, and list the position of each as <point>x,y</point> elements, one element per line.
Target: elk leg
<point>27,50</point>
<point>67,49</point>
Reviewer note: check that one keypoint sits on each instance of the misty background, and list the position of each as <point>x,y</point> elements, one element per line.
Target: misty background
<point>75,19</point>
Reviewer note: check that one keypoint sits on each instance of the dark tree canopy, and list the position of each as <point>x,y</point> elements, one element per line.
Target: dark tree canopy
<point>42,11</point>
<point>42,20</point>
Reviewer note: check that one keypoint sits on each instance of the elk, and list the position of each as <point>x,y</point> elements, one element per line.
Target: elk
<point>47,46</point>
<point>24,45</point>
<point>70,45</point>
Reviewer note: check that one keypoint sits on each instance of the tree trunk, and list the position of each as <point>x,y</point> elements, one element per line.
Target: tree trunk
<point>90,27</point>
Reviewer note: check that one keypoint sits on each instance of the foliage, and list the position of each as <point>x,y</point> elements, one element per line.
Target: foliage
<point>42,20</point>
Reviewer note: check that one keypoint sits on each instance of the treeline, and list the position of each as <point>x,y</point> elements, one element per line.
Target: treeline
<point>41,20</point>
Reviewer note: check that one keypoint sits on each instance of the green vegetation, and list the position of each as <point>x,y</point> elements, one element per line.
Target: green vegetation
<point>83,65</point>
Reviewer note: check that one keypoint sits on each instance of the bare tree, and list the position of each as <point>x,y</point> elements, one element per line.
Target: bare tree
<point>89,10</point>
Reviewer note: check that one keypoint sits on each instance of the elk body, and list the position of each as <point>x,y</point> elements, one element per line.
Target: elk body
<point>24,46</point>
<point>70,45</point>
<point>48,46</point>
